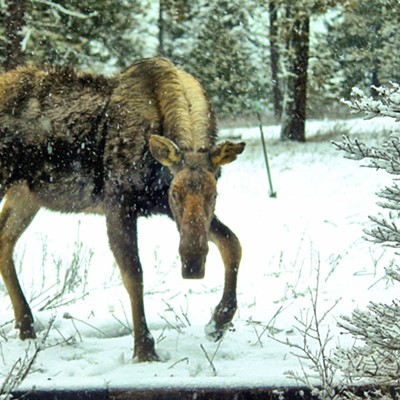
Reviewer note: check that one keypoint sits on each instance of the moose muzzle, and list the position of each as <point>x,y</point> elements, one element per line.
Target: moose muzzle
<point>193,268</point>
<point>193,251</point>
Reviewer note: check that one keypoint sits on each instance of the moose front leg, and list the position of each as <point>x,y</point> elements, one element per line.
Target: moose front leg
<point>122,234</point>
<point>18,211</point>
<point>231,253</point>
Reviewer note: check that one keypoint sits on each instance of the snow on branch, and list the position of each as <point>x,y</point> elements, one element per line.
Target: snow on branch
<point>379,358</point>
<point>378,327</point>
<point>384,232</point>
<point>386,104</point>
<point>66,11</point>
<point>393,271</point>
<point>387,157</point>
<point>391,196</point>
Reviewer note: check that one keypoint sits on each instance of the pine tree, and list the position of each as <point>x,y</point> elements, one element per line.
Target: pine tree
<point>362,46</point>
<point>220,57</point>
<point>378,327</point>
<point>275,58</point>
<point>175,18</point>
<point>295,95</point>
<point>295,29</point>
<point>85,32</point>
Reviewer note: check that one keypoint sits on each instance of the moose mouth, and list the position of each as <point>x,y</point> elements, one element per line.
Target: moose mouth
<point>193,267</point>
<point>193,250</point>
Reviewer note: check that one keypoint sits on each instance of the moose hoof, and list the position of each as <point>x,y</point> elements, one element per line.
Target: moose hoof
<point>146,357</point>
<point>145,350</point>
<point>214,333</point>
<point>26,331</point>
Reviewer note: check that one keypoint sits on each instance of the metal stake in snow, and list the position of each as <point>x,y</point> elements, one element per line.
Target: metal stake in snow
<point>272,193</point>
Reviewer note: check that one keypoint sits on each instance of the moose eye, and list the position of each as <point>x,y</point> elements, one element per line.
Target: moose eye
<point>174,196</point>
<point>211,198</point>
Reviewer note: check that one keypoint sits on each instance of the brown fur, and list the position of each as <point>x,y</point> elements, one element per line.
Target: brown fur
<point>138,143</point>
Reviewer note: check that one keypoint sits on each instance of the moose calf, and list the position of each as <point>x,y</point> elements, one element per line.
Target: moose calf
<point>141,142</point>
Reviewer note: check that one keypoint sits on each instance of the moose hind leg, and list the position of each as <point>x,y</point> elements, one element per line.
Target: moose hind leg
<point>122,234</point>
<point>18,211</point>
<point>231,252</point>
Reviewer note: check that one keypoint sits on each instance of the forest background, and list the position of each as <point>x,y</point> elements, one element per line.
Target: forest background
<point>280,61</point>
<point>286,59</point>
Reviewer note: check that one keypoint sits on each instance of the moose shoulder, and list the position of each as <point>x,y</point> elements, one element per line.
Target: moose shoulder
<point>139,143</point>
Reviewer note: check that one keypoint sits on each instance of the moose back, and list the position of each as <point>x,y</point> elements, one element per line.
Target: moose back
<point>141,142</point>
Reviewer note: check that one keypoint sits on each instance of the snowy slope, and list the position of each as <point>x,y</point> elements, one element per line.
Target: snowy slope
<point>313,227</point>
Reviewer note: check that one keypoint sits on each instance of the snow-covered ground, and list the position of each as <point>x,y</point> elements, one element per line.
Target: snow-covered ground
<point>312,228</point>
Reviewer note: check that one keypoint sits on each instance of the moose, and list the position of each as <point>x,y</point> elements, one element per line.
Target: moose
<point>140,142</point>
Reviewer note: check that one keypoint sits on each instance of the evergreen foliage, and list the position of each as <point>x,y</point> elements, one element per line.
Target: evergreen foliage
<point>361,47</point>
<point>378,327</point>
<point>89,33</point>
<point>176,20</point>
<point>220,58</point>
<point>224,43</point>
<point>379,357</point>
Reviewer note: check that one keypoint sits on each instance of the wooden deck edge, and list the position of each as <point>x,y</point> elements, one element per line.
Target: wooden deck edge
<point>194,393</point>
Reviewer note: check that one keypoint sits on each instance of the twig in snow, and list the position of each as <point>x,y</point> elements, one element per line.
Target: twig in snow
<point>185,313</point>
<point>210,361</point>
<point>177,317</point>
<point>258,336</point>
<point>185,359</point>
<point>161,337</point>
<point>21,368</point>
<point>124,325</point>
<point>309,328</point>
<point>69,316</point>
<point>174,327</point>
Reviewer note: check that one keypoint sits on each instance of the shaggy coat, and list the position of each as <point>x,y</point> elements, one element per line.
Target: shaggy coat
<point>139,143</point>
<point>88,135</point>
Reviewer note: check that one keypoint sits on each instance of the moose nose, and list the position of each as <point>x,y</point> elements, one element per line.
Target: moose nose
<point>193,246</point>
<point>193,268</point>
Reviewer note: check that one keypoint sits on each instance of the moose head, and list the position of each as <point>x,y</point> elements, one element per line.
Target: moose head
<point>192,195</point>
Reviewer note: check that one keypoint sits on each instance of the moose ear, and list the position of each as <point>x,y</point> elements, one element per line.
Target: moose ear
<point>226,152</point>
<point>164,150</point>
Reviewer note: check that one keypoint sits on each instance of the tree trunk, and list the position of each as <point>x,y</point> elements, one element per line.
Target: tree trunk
<point>274,57</point>
<point>375,82</point>
<point>161,29</point>
<point>15,21</point>
<point>295,101</point>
